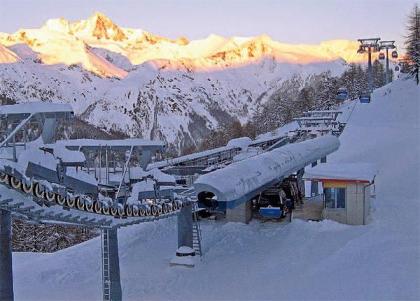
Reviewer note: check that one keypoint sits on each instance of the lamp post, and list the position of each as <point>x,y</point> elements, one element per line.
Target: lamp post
<point>369,45</point>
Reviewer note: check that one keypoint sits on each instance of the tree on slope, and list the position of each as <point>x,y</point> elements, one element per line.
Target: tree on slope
<point>412,43</point>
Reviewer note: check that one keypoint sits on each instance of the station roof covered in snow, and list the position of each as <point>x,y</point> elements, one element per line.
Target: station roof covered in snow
<point>349,172</point>
<point>34,108</point>
<point>116,143</point>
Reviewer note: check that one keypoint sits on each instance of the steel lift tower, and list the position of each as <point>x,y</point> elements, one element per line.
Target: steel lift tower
<point>369,45</point>
<point>387,45</point>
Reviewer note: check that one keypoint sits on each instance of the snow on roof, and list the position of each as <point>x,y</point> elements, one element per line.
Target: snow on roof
<point>189,157</point>
<point>323,112</point>
<point>342,171</point>
<point>243,179</point>
<point>161,176</point>
<point>241,142</point>
<point>314,118</point>
<point>68,156</point>
<point>111,143</point>
<point>35,107</point>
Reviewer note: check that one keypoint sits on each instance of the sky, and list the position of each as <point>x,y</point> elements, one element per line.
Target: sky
<point>288,21</point>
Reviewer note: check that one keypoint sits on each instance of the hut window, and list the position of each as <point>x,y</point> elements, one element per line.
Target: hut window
<point>335,197</point>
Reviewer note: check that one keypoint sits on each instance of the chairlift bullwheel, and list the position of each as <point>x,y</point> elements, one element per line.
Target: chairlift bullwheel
<point>89,205</point>
<point>4,177</point>
<point>154,210</point>
<point>50,196</point>
<point>15,183</point>
<point>114,211</point>
<point>80,203</point>
<point>159,209</point>
<point>38,192</point>
<point>97,208</point>
<point>148,211</point>
<point>129,210</point>
<point>142,211</point>
<point>27,188</point>
<point>70,201</point>
<point>105,209</point>
<point>165,208</point>
<point>121,210</point>
<point>61,200</point>
<point>135,210</point>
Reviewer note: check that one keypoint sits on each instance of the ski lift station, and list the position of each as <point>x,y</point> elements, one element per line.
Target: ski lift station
<point>109,184</point>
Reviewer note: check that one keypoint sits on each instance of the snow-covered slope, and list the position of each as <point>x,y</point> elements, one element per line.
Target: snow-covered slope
<point>149,86</point>
<point>297,261</point>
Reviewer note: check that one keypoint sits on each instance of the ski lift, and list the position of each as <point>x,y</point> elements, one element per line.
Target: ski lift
<point>342,94</point>
<point>381,56</point>
<point>394,54</point>
<point>364,97</point>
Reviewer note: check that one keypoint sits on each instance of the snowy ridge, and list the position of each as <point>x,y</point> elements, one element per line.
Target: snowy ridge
<point>302,260</point>
<point>131,81</point>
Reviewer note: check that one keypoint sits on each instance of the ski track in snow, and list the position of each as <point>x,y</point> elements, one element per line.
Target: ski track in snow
<point>297,261</point>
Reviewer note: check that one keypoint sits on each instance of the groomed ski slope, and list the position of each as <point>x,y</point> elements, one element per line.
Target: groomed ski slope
<point>302,260</point>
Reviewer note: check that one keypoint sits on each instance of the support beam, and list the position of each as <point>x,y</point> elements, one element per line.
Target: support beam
<point>185,227</point>
<point>6,273</point>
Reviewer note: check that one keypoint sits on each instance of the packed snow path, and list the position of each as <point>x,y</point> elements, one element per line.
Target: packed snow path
<point>302,260</point>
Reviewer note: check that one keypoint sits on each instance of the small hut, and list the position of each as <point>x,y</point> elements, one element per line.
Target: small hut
<point>346,190</point>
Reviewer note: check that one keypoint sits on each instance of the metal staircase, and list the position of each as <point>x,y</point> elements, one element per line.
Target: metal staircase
<point>196,233</point>
<point>106,270</point>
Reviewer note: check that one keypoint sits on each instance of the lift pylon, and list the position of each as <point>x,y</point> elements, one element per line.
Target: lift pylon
<point>6,274</point>
<point>387,45</point>
<point>369,45</point>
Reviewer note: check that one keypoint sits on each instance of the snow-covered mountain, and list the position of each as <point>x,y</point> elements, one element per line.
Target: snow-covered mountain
<point>149,86</point>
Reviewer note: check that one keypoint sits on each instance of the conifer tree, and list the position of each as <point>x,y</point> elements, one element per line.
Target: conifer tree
<point>412,43</point>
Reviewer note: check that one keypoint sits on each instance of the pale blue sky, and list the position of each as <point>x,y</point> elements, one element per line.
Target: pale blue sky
<point>291,21</point>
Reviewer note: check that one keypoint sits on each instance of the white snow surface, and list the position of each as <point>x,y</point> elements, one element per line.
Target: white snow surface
<point>268,261</point>
<point>342,171</point>
<point>61,152</point>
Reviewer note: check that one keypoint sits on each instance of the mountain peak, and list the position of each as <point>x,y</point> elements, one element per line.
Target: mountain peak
<point>99,26</point>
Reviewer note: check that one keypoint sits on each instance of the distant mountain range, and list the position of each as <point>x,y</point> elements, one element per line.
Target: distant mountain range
<point>129,80</point>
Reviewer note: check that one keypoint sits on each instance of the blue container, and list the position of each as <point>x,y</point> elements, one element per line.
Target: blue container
<point>271,212</point>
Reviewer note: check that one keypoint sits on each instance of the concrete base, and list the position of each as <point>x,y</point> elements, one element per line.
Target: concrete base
<point>185,261</point>
<point>241,213</point>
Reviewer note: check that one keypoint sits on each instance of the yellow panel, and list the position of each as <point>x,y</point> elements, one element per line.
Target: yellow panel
<point>335,184</point>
